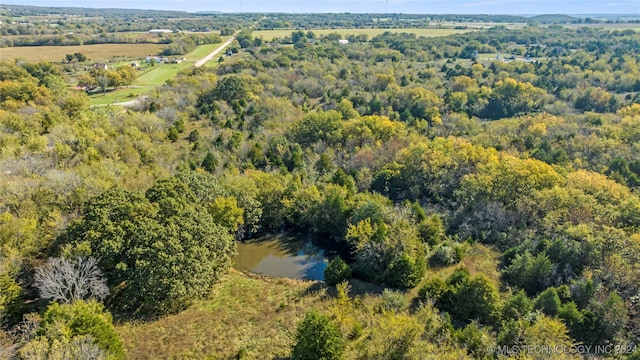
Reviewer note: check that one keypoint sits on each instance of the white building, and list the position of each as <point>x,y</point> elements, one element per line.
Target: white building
<point>160,31</point>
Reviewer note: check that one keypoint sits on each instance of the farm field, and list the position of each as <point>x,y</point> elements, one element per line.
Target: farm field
<point>93,52</point>
<point>269,35</point>
<point>623,26</point>
<point>152,77</point>
<point>204,50</point>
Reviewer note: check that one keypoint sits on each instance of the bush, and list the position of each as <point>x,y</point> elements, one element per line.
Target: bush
<point>446,255</point>
<point>516,306</point>
<point>10,293</point>
<point>337,271</point>
<point>477,299</point>
<point>432,290</point>
<point>317,338</point>
<point>393,301</point>
<point>634,356</point>
<point>548,302</point>
<point>83,347</point>
<point>432,230</point>
<point>71,322</point>
<point>475,340</point>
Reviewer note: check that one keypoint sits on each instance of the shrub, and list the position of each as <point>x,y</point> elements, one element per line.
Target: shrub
<point>337,272</point>
<point>516,306</point>
<point>474,339</point>
<point>317,339</point>
<point>10,293</point>
<point>446,255</point>
<point>393,301</point>
<point>71,323</point>
<point>432,230</point>
<point>477,299</point>
<point>548,302</point>
<point>68,280</point>
<point>432,290</point>
<point>83,347</point>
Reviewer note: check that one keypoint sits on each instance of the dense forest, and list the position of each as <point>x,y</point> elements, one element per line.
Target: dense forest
<point>401,153</point>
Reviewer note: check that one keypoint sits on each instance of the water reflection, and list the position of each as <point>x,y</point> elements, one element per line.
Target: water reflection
<point>282,256</point>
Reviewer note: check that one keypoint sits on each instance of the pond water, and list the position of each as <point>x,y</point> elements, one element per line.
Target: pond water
<point>282,256</point>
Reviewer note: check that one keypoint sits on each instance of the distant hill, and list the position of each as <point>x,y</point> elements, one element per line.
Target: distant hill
<point>26,10</point>
<point>553,18</point>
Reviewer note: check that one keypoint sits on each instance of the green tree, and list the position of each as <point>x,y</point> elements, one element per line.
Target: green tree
<point>318,126</point>
<point>477,299</point>
<point>511,97</point>
<point>209,162</point>
<point>532,273</point>
<point>230,88</point>
<point>10,291</point>
<point>225,212</point>
<point>516,306</point>
<point>432,230</point>
<point>477,341</point>
<point>317,338</point>
<point>127,74</point>
<point>548,302</point>
<point>611,316</point>
<point>435,290</point>
<point>337,271</point>
<point>158,251</point>
<point>80,57</point>
<point>103,82</point>
<point>345,107</point>
<point>173,134</point>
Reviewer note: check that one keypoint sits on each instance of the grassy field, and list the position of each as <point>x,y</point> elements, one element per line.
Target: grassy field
<point>120,95</point>
<point>269,35</point>
<point>204,50</point>
<point>148,79</point>
<point>258,315</point>
<point>153,76</point>
<point>93,52</point>
<point>246,312</point>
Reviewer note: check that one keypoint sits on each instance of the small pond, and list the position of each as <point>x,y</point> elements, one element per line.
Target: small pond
<point>282,256</point>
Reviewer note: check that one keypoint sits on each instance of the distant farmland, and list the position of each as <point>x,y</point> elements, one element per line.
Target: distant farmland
<point>93,52</point>
<point>269,35</point>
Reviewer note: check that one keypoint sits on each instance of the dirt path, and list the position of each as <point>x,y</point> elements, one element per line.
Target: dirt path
<point>197,64</point>
<point>214,52</point>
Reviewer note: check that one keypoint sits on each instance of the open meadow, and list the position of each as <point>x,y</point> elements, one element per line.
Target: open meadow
<point>93,52</point>
<point>256,315</point>
<point>154,76</point>
<point>269,35</point>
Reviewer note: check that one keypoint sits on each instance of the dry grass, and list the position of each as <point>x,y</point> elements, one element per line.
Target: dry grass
<point>93,52</point>
<point>479,259</point>
<point>483,260</point>
<point>259,315</point>
<point>247,312</point>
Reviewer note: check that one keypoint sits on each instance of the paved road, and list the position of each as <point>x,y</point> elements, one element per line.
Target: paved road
<point>197,64</point>
<point>214,52</point>
<point>133,102</point>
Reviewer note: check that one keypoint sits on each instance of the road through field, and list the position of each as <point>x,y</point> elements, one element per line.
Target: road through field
<point>197,64</point>
<point>214,52</point>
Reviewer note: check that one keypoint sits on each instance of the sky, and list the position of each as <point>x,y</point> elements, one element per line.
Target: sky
<point>363,6</point>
